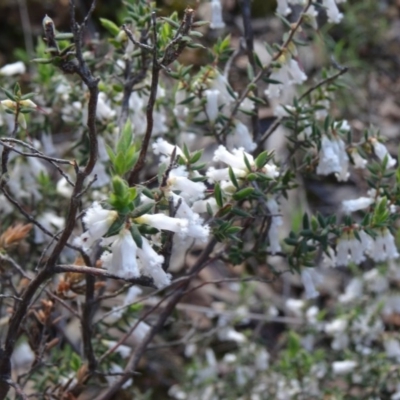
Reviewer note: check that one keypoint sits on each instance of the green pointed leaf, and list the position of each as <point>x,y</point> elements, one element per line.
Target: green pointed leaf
<point>243,193</point>
<point>233,179</point>
<point>218,195</point>
<point>137,237</point>
<point>142,209</point>
<point>111,27</point>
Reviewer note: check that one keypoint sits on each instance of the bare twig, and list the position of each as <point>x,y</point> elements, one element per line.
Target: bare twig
<point>4,258</point>
<point>9,296</point>
<point>37,154</point>
<point>137,43</point>
<point>32,219</point>
<point>6,151</point>
<point>150,107</point>
<point>19,392</point>
<point>249,37</point>
<point>48,270</point>
<point>143,281</point>
<point>87,318</point>
<point>26,27</point>
<point>132,80</point>
<point>171,53</point>
<point>168,309</point>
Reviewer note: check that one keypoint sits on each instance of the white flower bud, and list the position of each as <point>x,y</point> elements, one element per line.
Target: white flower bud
<point>13,69</point>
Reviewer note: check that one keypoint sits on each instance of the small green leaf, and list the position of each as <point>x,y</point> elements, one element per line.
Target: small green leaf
<point>243,193</point>
<point>141,210</point>
<point>196,157</point>
<point>111,154</point>
<point>125,139</point>
<point>218,195</point>
<point>233,179</point>
<point>110,26</point>
<point>262,159</point>
<point>137,237</point>
<point>64,36</point>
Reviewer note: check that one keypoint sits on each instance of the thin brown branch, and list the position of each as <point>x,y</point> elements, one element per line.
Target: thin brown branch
<point>149,111</point>
<point>132,80</point>
<point>49,268</point>
<point>87,326</point>
<point>249,38</point>
<point>6,152</point>
<point>143,281</point>
<point>169,308</point>
<point>4,258</point>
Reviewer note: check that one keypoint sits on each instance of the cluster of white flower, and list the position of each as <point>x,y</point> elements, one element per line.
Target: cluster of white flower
<point>332,10</point>
<point>218,100</point>
<point>380,248</point>
<point>287,75</point>
<point>190,194</point>
<point>128,258</point>
<point>236,160</point>
<point>333,158</point>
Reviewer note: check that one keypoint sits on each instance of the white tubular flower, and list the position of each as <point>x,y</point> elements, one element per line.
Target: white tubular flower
<point>163,222</point>
<point>220,83</point>
<point>384,247</point>
<point>361,203</point>
<point>295,306</point>
<point>212,104</point>
<point>349,249</point>
<point>381,152</point>
<point>13,69</point>
<point>358,161</point>
<point>240,137</point>
<point>289,74</point>
<point>98,221</point>
<point>337,326</point>
<point>296,73</point>
<point>151,264</point>
<point>276,221</point>
<point>200,206</point>
<point>161,146</point>
<point>333,158</point>
<point>104,112</point>
<point>190,191</point>
<point>283,8</point>
<point>270,170</point>
<point>343,367</point>
<point>64,188</point>
<point>222,174</point>
<point>196,229</point>
<point>122,261</point>
<point>22,356</point>
<point>217,21</point>
<point>247,105</point>
<point>311,291</point>
<point>235,160</point>
<point>311,17</point>
<point>353,291</point>
<point>332,11</point>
